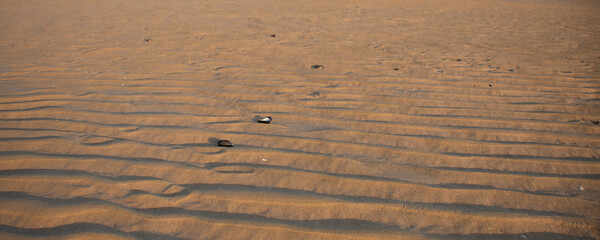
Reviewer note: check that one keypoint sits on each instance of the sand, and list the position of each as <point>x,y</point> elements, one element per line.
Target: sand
<point>430,119</point>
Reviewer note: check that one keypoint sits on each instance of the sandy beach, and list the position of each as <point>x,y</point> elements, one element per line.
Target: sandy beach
<point>391,119</point>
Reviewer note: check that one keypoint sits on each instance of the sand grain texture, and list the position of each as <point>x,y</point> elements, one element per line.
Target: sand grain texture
<point>429,119</point>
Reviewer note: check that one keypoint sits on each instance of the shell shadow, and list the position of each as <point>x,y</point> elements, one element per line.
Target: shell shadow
<point>256,118</point>
<point>213,140</point>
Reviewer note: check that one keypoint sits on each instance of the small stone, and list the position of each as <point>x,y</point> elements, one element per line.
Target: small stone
<point>458,60</point>
<point>523,236</point>
<point>264,159</point>
<point>490,85</point>
<point>317,66</point>
<point>225,143</point>
<point>396,69</point>
<point>147,39</point>
<point>581,188</point>
<point>595,122</point>
<point>273,35</point>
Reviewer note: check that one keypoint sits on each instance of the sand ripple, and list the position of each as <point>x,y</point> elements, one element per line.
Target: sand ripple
<point>428,120</point>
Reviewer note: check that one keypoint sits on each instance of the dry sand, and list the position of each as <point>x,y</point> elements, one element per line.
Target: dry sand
<point>430,119</point>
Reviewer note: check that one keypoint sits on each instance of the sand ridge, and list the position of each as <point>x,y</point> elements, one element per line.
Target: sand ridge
<point>468,119</point>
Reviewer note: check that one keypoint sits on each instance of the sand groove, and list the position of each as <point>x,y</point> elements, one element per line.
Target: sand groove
<point>429,119</point>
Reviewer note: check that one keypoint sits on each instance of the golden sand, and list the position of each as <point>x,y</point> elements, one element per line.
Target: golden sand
<point>408,119</point>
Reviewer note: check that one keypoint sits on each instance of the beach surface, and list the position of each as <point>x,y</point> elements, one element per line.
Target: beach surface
<point>392,119</point>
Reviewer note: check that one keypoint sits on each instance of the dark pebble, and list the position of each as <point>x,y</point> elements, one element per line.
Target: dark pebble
<point>317,66</point>
<point>225,143</point>
<point>273,35</point>
<point>595,122</point>
<point>491,85</point>
<point>458,60</point>
<point>147,39</point>
<point>396,69</point>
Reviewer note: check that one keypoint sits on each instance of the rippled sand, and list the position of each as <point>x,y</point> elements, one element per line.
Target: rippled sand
<point>430,119</point>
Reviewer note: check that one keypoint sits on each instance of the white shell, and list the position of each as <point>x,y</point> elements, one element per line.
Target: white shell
<point>265,120</point>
